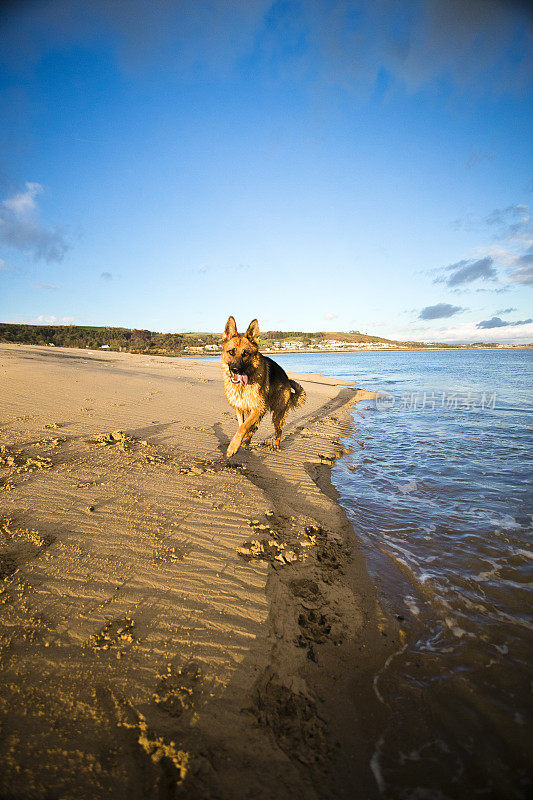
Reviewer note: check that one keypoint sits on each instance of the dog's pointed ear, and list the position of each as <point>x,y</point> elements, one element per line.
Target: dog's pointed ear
<point>230,330</point>
<point>253,332</point>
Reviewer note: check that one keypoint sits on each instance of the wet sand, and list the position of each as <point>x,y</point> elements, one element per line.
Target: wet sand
<point>173,623</point>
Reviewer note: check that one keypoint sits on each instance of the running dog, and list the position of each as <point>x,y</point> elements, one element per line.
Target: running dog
<point>255,384</point>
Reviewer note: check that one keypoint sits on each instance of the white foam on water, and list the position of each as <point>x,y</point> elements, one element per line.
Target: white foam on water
<point>455,629</point>
<point>507,522</point>
<point>411,605</point>
<point>383,669</point>
<point>407,488</point>
<point>417,753</point>
<point>375,765</point>
<point>421,793</point>
<point>501,648</point>
<point>489,573</point>
<point>524,623</point>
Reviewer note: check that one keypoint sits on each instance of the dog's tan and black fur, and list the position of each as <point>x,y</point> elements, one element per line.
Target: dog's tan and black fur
<point>255,384</point>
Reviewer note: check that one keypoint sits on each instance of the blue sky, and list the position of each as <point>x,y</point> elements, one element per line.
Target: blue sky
<point>318,165</point>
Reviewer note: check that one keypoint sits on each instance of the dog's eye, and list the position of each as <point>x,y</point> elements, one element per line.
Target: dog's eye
<point>232,352</point>
<point>245,353</point>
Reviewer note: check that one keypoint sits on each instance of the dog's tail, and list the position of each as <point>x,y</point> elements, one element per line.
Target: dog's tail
<point>298,394</point>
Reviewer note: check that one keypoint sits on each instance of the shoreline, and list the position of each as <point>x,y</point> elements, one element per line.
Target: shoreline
<point>298,351</point>
<point>344,639</point>
<point>304,352</point>
<point>211,623</point>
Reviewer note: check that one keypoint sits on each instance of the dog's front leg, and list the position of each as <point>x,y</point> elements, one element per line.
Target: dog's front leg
<point>242,431</point>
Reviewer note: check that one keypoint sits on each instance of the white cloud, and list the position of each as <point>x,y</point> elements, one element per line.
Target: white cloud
<point>44,319</point>
<point>24,202</point>
<point>461,333</point>
<point>331,315</point>
<point>20,227</point>
<point>468,332</point>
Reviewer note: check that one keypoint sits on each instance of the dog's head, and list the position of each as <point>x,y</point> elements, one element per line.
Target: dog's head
<point>240,352</point>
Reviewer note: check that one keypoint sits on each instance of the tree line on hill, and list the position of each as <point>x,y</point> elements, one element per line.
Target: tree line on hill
<point>85,336</point>
<point>133,340</point>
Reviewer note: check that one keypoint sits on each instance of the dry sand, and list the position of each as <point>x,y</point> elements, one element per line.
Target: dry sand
<point>174,624</point>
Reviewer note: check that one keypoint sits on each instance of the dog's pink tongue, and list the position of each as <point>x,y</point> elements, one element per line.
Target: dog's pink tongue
<point>243,379</point>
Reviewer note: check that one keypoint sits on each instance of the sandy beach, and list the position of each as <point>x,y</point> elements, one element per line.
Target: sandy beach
<point>174,623</point>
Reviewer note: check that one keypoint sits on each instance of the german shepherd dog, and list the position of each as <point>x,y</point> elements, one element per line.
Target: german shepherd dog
<point>255,384</point>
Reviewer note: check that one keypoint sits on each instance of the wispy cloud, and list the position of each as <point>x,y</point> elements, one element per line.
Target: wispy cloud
<point>514,228</point>
<point>468,271</point>
<point>20,227</point>
<point>331,315</point>
<point>497,322</point>
<point>524,273</point>
<point>505,310</point>
<point>205,269</point>
<point>439,311</point>
<point>43,286</point>
<point>477,157</point>
<point>513,219</point>
<point>106,276</point>
<point>511,251</point>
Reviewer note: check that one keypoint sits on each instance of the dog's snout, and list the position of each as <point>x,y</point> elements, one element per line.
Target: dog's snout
<point>237,367</point>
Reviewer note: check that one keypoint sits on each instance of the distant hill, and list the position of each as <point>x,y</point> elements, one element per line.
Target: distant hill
<point>129,340</point>
<point>133,340</point>
<point>354,337</point>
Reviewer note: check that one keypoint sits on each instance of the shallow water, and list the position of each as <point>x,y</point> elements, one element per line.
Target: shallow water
<point>438,488</point>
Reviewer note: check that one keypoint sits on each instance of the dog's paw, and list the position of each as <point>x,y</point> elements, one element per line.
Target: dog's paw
<point>233,446</point>
<point>274,444</point>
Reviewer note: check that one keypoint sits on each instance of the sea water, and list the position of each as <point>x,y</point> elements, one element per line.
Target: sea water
<point>438,488</point>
